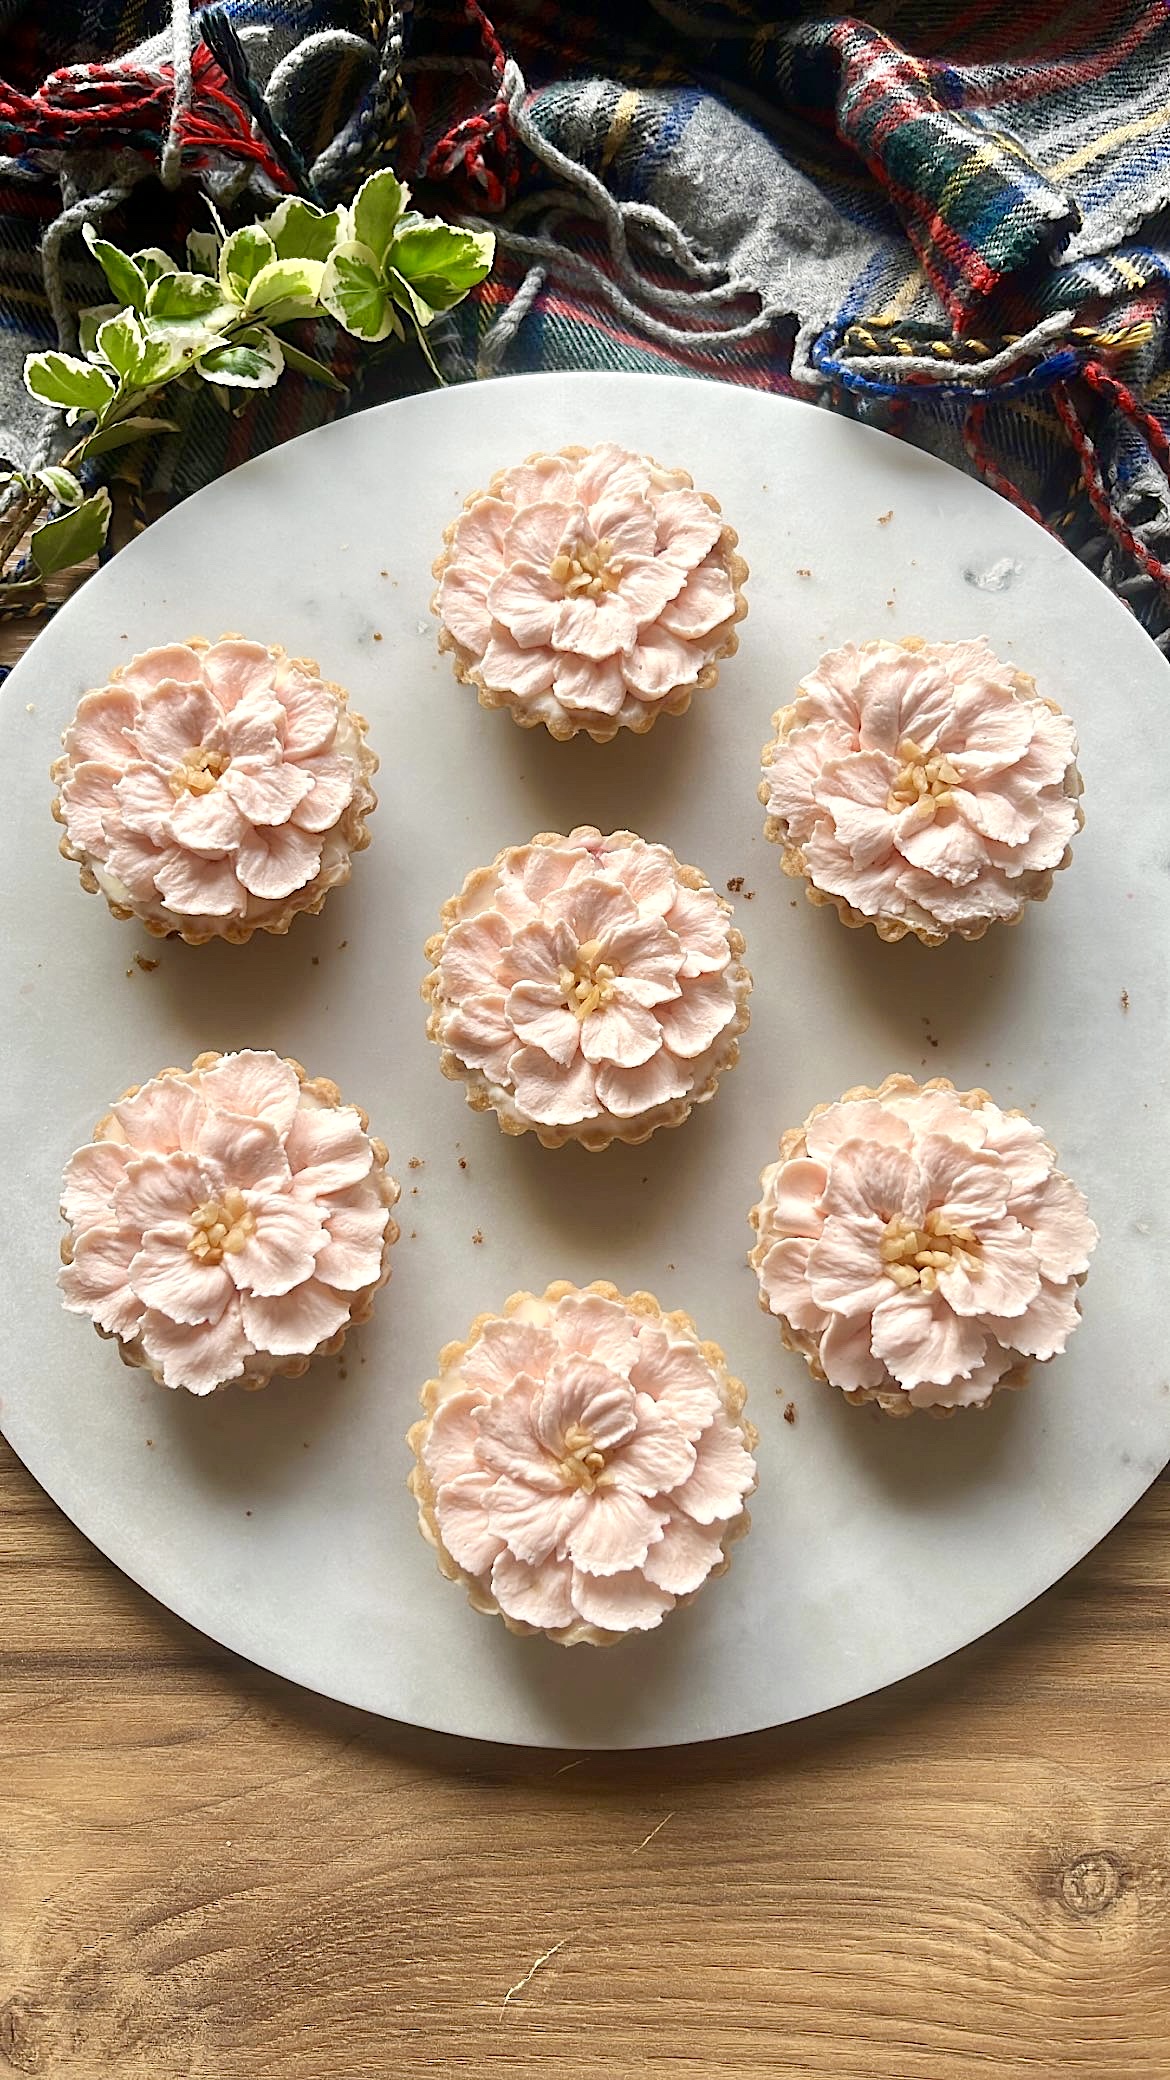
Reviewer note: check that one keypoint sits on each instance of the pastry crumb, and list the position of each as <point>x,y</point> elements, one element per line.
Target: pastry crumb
<point>316,961</point>
<point>29,708</point>
<point>1125,1000</point>
<point>463,1162</point>
<point>884,519</point>
<point>415,1163</point>
<point>790,1411</point>
<point>478,1235</point>
<point>735,884</point>
<point>377,635</point>
<point>749,895</point>
<point>130,974</point>
<point>150,1442</point>
<point>383,574</point>
<point>803,571</point>
<point>414,1234</point>
<point>143,961</point>
<point>343,945</point>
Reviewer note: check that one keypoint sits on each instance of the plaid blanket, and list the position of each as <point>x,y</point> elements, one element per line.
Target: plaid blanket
<point>949,220</point>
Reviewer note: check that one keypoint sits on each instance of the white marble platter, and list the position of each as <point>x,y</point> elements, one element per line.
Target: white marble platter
<point>279,1523</point>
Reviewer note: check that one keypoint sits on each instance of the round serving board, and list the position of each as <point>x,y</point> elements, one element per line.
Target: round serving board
<point>280,1522</point>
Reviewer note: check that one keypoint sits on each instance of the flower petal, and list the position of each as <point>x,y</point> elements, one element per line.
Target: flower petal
<point>526,602</point>
<point>922,1341</point>
<point>195,887</point>
<point>308,727</point>
<point>647,586</point>
<point>845,1270</point>
<point>165,1275</point>
<point>872,1178</point>
<point>538,531</point>
<point>1045,1325</point>
<point>146,803</point>
<point>614,1531</point>
<point>627,1092</point>
<point>282,1250</point>
<point>461,1511</point>
<point>356,1232</point>
<point>724,1474</point>
<point>100,729</point>
<point>624,1033</point>
<point>783,1276</point>
<point>620,1602</point>
<point>173,720</point>
<point>253,729</point>
<point>657,1457</point>
<point>255,1083</point>
<point>333,786</point>
<point>199,1356</point>
<point>685,1554</point>
<point>792,1197</point>
<point>168,661</point>
<point>1063,1236</point>
<point>1002,1279</point>
<point>705,603</point>
<point>509,1442</point>
<point>246,1152</point>
<point>157,1189</point>
<point>688,529</point>
<point>294,1324</point>
<point>265,794</point>
<point>97,1282</point>
<point>540,1596</point>
<point>452,1436</point>
<point>503,1350</point>
<point>234,669</point>
<point>660,662</point>
<point>587,687</point>
<point>694,1020</point>
<point>92,1177</point>
<point>553,1095</point>
<point>328,1150</point>
<point>844,1351</point>
<point>508,668</point>
<point>537,1014</point>
<point>595,628</point>
<point>209,823</point>
<point>678,1378</point>
<point>165,1114</point>
<point>583,1393</point>
<point>598,1328</point>
<point>90,802</point>
<point>969,1184</point>
<point>276,860</point>
<point>533,1521</point>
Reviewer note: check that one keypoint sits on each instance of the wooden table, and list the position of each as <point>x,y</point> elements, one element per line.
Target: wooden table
<point>209,1875</point>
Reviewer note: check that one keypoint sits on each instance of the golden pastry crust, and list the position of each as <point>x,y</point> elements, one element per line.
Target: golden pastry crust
<point>1035,885</point>
<point>676,702</point>
<point>733,1394</point>
<point>352,829</point>
<point>328,1095</point>
<point>590,1135</point>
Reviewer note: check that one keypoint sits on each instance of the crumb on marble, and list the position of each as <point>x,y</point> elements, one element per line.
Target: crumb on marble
<point>30,708</point>
<point>884,519</point>
<point>735,884</point>
<point>316,961</point>
<point>1125,1000</point>
<point>415,1163</point>
<point>478,1236</point>
<point>343,945</point>
<point>803,571</point>
<point>383,574</point>
<point>143,961</point>
<point>377,635</point>
<point>463,1162</point>
<point>790,1411</point>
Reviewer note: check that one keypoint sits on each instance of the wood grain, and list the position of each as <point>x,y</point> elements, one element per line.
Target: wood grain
<point>208,1875</point>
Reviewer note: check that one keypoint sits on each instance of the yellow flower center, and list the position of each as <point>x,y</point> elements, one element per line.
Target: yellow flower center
<point>220,1227</point>
<point>914,1256</point>
<point>588,984</point>
<point>583,1464</point>
<point>199,771</point>
<point>586,571</point>
<point>924,782</point>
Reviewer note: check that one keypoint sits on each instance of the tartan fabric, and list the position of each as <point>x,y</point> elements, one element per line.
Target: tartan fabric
<point>949,219</point>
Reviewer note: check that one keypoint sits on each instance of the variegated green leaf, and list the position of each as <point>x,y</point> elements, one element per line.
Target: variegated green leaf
<point>301,231</point>
<point>246,252</point>
<point>376,209</point>
<point>353,292</point>
<point>253,361</point>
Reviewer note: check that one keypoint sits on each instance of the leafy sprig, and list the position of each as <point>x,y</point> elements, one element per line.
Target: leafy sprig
<point>377,267</point>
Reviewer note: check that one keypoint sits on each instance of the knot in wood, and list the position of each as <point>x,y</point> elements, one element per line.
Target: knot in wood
<point>1090,1884</point>
<point>22,2045</point>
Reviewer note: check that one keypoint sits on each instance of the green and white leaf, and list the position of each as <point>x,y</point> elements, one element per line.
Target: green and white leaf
<point>376,209</point>
<point>121,343</point>
<point>61,379</point>
<point>125,278</point>
<point>183,299</point>
<point>353,292</point>
<point>253,361</point>
<point>301,231</point>
<point>246,252</point>
<point>90,322</point>
<point>295,282</point>
<point>441,261</point>
<point>124,431</point>
<point>172,349</point>
<point>61,484</point>
<point>405,294</point>
<point>73,538</point>
<point>154,263</point>
<point>308,365</point>
<point>203,252</point>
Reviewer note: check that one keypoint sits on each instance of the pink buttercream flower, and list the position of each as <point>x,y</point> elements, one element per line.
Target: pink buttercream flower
<point>227,1220</point>
<point>589,589</point>
<point>214,787</point>
<point>917,1243</point>
<point>583,1462</point>
<point>925,786</point>
<point>587,983</point>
